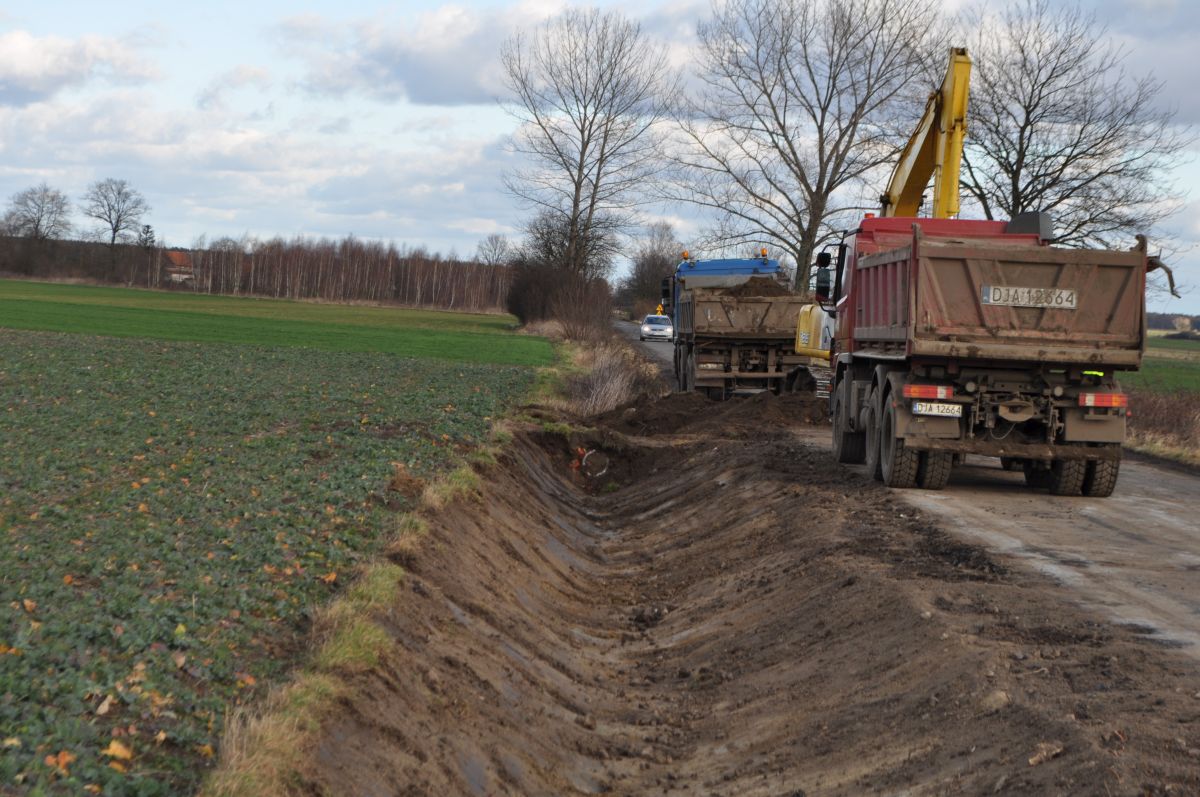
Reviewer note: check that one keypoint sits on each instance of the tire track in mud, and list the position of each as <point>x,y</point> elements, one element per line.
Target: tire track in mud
<point>726,611</point>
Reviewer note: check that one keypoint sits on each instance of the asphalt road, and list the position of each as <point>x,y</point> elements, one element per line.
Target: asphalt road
<point>1134,556</point>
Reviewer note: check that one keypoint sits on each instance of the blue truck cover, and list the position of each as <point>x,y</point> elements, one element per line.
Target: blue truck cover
<point>732,266</point>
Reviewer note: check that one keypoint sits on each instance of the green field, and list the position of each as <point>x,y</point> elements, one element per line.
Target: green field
<point>1169,366</point>
<point>162,315</point>
<point>172,511</point>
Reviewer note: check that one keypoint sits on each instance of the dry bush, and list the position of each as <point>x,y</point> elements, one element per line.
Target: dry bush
<point>547,328</point>
<point>613,375</point>
<point>1166,423</point>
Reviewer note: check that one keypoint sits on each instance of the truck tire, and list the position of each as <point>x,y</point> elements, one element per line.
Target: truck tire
<point>1037,475</point>
<point>869,417</point>
<point>1066,476</point>
<point>899,464</point>
<point>1101,478</point>
<point>848,447</point>
<point>935,468</point>
<point>689,371</point>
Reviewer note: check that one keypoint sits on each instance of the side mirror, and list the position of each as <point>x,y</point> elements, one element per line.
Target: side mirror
<point>824,259</point>
<point>824,280</point>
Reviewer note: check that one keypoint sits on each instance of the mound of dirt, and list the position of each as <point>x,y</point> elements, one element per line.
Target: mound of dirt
<point>757,286</point>
<point>741,616</point>
<point>692,413</point>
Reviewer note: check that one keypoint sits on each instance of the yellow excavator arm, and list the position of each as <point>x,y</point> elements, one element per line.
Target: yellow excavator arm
<point>935,149</point>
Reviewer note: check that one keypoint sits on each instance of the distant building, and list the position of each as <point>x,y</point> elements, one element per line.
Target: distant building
<point>179,266</point>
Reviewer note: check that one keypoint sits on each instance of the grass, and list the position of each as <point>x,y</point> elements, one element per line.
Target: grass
<point>172,513</point>
<point>1169,366</point>
<point>161,315</point>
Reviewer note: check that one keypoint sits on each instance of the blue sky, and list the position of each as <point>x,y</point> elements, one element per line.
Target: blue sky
<point>331,118</point>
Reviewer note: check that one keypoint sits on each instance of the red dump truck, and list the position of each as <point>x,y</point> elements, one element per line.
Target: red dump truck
<point>962,337</point>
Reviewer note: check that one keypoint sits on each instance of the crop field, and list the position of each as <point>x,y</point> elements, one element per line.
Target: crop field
<point>1170,366</point>
<point>172,511</point>
<point>180,315</point>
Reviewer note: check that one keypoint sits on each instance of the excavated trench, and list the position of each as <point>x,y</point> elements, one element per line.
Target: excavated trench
<point>726,611</point>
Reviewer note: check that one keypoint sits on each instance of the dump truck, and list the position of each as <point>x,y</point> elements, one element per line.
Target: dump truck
<point>957,337</point>
<point>735,327</point>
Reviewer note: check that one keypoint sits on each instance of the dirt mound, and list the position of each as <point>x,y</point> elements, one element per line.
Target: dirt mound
<point>757,286</point>
<point>740,616</point>
<point>739,417</point>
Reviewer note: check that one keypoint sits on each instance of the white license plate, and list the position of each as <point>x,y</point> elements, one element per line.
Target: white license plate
<point>1012,296</point>
<point>937,408</point>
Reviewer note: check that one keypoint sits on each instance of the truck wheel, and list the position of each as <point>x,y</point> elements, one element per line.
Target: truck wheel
<point>689,372</point>
<point>870,424</point>
<point>1101,478</point>
<point>899,464</point>
<point>935,469</point>
<point>1037,474</point>
<point>1066,476</point>
<point>849,447</point>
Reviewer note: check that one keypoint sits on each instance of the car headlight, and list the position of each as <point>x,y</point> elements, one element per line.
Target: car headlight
<point>645,327</point>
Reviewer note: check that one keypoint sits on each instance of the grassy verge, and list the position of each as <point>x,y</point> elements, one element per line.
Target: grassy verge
<point>1166,424</point>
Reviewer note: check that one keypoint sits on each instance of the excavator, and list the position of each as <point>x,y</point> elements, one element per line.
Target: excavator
<point>934,151</point>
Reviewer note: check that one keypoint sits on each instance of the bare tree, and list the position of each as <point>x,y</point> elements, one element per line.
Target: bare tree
<point>1058,125</point>
<point>116,205</point>
<point>797,106</point>
<point>40,212</point>
<point>586,88</point>
<point>656,254</point>
<point>495,250</point>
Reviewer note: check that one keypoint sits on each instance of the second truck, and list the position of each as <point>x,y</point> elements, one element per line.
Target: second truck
<point>738,329</point>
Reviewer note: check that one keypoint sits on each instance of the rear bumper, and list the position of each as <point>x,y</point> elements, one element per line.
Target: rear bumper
<point>1003,448</point>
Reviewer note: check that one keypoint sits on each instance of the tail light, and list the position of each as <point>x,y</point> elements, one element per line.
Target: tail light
<point>1103,400</point>
<point>928,391</point>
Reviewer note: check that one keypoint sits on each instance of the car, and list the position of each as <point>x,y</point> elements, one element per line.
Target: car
<point>657,327</point>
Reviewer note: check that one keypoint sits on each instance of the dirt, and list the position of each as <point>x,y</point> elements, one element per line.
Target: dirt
<point>757,286</point>
<point>726,611</point>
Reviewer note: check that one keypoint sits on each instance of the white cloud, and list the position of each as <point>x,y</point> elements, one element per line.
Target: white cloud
<point>445,56</point>
<point>33,68</point>
<point>241,76</point>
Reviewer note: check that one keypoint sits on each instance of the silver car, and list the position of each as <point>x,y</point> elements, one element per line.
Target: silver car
<point>657,327</point>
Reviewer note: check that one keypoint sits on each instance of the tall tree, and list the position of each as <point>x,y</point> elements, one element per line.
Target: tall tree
<point>1057,124</point>
<point>797,106</point>
<point>656,254</point>
<point>40,212</point>
<point>117,205</point>
<point>586,90</point>
<point>495,250</point>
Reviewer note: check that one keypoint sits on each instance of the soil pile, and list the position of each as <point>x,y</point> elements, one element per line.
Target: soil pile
<point>694,414</point>
<point>725,616</point>
<point>757,286</point>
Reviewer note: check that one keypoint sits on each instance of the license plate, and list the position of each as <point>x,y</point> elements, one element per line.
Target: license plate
<point>937,408</point>
<point>1012,296</point>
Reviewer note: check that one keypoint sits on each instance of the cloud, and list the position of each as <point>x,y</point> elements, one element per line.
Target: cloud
<point>34,69</point>
<point>446,56</point>
<point>241,76</point>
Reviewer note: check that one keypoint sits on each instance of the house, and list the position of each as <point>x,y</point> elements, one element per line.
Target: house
<point>179,266</point>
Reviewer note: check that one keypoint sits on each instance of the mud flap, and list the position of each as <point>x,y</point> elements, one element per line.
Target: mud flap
<point>909,425</point>
<point>1081,427</point>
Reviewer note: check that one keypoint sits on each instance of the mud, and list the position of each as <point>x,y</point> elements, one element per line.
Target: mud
<point>757,286</point>
<point>733,613</point>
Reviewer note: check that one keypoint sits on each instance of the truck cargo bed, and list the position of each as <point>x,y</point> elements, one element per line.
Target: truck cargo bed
<point>981,300</point>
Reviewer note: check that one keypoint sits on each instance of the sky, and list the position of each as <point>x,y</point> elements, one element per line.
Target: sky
<point>381,120</point>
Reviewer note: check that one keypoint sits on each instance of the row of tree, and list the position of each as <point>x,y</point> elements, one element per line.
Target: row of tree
<point>42,213</point>
<point>787,122</point>
<point>302,268</point>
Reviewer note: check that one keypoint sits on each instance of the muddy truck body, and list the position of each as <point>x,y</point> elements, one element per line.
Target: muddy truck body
<point>735,327</point>
<point>962,337</point>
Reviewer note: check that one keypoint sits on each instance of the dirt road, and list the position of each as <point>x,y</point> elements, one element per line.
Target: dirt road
<point>717,609</point>
<point>1135,556</point>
